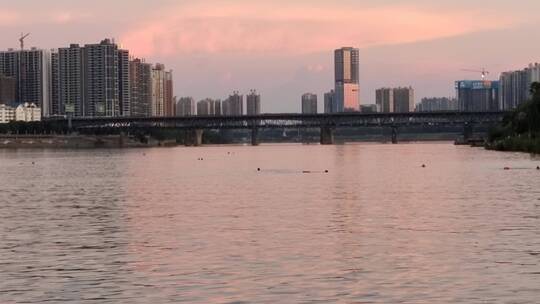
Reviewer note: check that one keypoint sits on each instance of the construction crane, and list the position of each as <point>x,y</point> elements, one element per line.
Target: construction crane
<point>21,40</point>
<point>483,71</point>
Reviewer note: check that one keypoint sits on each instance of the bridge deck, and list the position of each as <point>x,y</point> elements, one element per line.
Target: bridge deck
<point>292,120</point>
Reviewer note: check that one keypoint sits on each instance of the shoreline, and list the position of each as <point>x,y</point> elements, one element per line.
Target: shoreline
<point>30,141</point>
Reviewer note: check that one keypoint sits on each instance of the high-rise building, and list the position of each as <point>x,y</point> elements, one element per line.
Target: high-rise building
<point>234,105</point>
<point>8,87</point>
<point>209,107</point>
<point>218,107</point>
<point>124,88</point>
<point>54,107</point>
<point>31,70</point>
<point>477,95</point>
<point>90,81</point>
<point>162,92</point>
<point>102,79</point>
<point>395,100</point>
<point>309,103</point>
<point>514,86</point>
<point>69,89</point>
<point>404,100</point>
<point>329,101</point>
<point>140,80</point>
<point>253,103</point>
<point>436,104</point>
<point>385,100</point>
<point>347,83</point>
<point>186,106</point>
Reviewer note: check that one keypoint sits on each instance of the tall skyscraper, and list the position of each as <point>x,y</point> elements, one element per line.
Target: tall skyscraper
<point>103,81</point>
<point>514,86</point>
<point>347,83</point>
<point>309,103</point>
<point>395,100</point>
<point>253,103</point>
<point>69,89</point>
<point>478,95</point>
<point>140,80</point>
<point>31,71</point>
<point>124,90</point>
<point>329,101</point>
<point>162,92</point>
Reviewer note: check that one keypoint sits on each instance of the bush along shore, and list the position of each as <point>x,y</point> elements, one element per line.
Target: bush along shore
<point>520,130</point>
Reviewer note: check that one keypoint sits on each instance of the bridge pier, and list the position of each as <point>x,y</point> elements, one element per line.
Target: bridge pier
<point>468,131</point>
<point>394,135</point>
<point>193,138</point>
<point>254,136</point>
<point>327,135</point>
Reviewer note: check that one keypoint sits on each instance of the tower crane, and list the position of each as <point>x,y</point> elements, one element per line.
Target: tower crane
<point>483,71</point>
<point>21,40</point>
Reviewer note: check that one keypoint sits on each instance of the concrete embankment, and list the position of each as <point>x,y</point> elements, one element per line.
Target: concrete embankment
<point>73,142</point>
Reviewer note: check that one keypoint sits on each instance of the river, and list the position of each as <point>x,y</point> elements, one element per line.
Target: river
<point>204,225</point>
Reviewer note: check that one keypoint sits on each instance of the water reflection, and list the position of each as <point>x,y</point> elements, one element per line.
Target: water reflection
<point>162,226</point>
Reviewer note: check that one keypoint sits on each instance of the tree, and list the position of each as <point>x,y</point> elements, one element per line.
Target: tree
<point>535,88</point>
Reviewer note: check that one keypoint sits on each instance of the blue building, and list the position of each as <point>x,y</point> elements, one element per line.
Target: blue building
<point>477,95</point>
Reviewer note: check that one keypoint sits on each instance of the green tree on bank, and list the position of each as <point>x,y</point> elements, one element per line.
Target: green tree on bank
<point>520,130</point>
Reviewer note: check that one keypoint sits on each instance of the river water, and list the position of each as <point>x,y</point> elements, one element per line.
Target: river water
<point>162,226</point>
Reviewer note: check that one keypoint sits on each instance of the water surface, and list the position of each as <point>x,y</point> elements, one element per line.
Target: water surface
<point>162,226</point>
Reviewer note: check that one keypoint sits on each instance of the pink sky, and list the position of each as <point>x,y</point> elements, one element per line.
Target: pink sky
<point>284,48</point>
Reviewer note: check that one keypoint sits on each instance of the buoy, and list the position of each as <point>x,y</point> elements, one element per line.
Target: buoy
<point>325,171</point>
<point>258,169</point>
<point>423,166</point>
<point>537,167</point>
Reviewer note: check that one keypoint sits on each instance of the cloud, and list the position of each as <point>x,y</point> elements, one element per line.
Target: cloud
<point>8,17</point>
<point>64,17</point>
<point>253,27</point>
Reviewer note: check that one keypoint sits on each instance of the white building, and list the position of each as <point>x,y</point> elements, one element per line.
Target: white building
<point>28,112</point>
<point>7,113</point>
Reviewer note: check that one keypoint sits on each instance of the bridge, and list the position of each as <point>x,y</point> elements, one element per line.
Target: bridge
<point>195,125</point>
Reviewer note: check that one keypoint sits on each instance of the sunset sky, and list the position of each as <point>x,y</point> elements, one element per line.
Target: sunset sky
<point>285,48</point>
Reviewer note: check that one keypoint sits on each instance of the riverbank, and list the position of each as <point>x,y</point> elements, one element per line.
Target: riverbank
<point>76,142</point>
<point>515,144</point>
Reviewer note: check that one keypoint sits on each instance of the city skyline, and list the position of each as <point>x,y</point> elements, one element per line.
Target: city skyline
<point>393,55</point>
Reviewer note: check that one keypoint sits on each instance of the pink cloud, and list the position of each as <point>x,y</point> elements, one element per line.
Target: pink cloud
<point>255,27</point>
<point>8,18</point>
